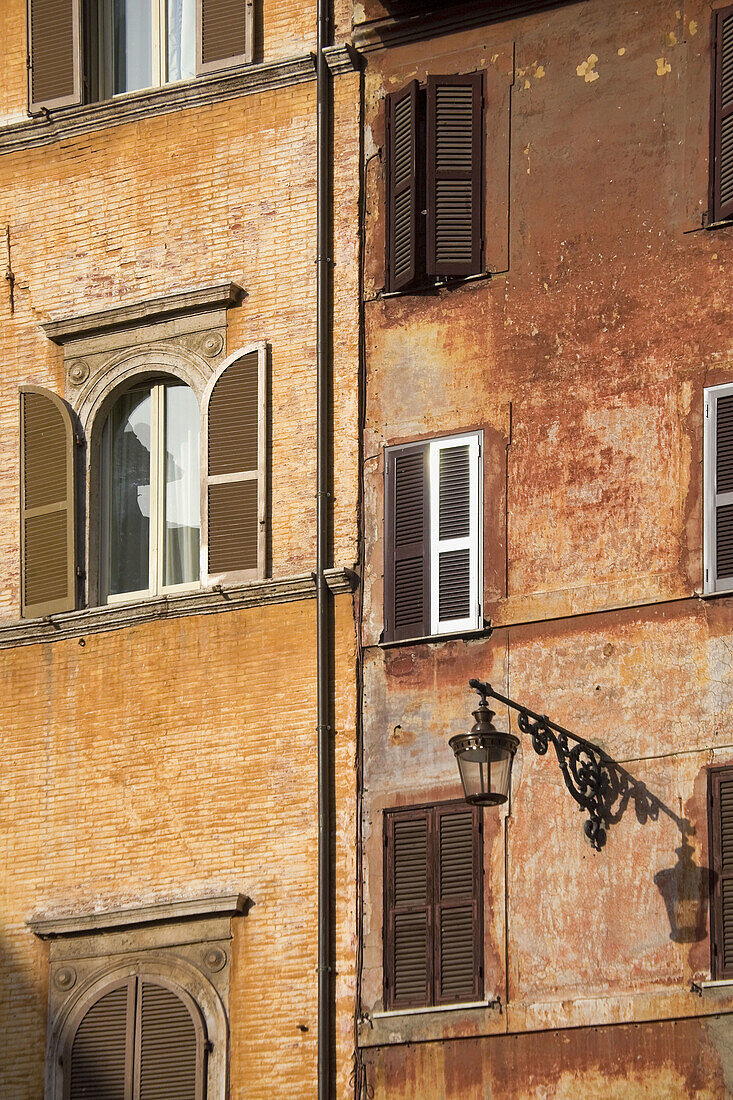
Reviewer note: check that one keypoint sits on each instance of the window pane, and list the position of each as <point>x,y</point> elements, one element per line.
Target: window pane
<point>181,39</point>
<point>127,478</point>
<point>132,34</point>
<point>182,502</point>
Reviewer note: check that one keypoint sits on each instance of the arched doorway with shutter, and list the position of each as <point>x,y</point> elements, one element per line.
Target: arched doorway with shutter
<point>141,1036</point>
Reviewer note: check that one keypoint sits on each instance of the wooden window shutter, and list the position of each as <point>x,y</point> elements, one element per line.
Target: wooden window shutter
<point>455,520</point>
<point>225,32</point>
<point>721,843</point>
<point>454,176</point>
<point>235,479</point>
<point>48,573</point>
<point>54,51</point>
<point>101,1051</point>
<point>407,549</point>
<point>722,136</point>
<point>404,205</point>
<point>169,1045</point>
<point>409,910</point>
<point>718,489</point>
<point>458,909</point>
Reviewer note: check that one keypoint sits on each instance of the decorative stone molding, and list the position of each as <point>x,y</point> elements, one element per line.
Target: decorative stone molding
<point>224,905</point>
<point>71,122</point>
<point>96,620</point>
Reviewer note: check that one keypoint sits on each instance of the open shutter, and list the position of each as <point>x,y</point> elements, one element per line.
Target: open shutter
<point>454,154</point>
<point>408,917</point>
<point>224,34</point>
<point>718,481</point>
<point>722,167</point>
<point>404,209</point>
<point>101,1052</point>
<point>455,537</point>
<point>721,836</point>
<point>407,551</point>
<point>48,576</point>
<point>459,972</point>
<point>54,71</point>
<point>169,1048</point>
<point>235,481</point>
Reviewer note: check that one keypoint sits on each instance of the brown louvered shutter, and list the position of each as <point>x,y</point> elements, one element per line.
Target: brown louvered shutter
<point>54,73</point>
<point>722,139</point>
<point>224,34</point>
<point>723,504</point>
<point>407,548</point>
<point>721,842</point>
<point>405,223</point>
<point>454,175</point>
<point>169,1048</point>
<point>235,474</point>
<point>459,971</point>
<point>48,575</point>
<point>409,912</point>
<point>101,1052</point>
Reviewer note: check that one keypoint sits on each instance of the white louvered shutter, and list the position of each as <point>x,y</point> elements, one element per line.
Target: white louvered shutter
<point>718,479</point>
<point>455,533</point>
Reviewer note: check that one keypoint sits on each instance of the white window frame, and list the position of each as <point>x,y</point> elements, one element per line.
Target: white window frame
<point>157,510</point>
<point>711,498</point>
<point>158,43</point>
<point>472,542</point>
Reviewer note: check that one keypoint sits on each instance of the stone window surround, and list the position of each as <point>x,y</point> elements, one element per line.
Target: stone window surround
<point>182,334</point>
<point>186,942</point>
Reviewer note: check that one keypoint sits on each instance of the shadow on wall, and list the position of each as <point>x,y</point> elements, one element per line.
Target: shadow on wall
<point>686,889</point>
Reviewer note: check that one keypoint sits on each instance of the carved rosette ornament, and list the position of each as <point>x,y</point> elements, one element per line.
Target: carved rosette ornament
<point>65,978</point>
<point>215,959</point>
<point>78,371</point>
<point>212,344</point>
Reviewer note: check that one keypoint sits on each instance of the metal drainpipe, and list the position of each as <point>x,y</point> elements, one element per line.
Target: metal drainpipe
<point>323,609</point>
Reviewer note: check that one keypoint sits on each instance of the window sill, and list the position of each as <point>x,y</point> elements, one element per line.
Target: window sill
<point>211,601</point>
<point>705,988</point>
<point>411,1025</point>
<point>432,288</point>
<point>480,632</point>
<point>69,122</point>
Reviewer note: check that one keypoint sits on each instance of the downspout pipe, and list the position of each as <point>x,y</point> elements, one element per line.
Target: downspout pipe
<point>326,1030</point>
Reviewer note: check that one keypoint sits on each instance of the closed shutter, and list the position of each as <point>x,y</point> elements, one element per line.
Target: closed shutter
<point>722,168</point>
<point>407,553</point>
<point>455,521</point>
<point>409,915</point>
<point>225,33</point>
<point>721,836</point>
<point>48,576</point>
<point>235,482</point>
<point>454,176</point>
<point>101,1052</point>
<point>169,1048</point>
<point>54,74</point>
<point>459,970</point>
<point>718,489</point>
<point>404,208</point>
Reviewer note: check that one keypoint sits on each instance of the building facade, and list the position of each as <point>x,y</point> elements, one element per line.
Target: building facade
<point>158,480</point>
<point>548,364</point>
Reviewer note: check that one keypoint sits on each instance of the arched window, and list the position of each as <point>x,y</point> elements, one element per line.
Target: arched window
<point>150,491</point>
<point>143,1038</point>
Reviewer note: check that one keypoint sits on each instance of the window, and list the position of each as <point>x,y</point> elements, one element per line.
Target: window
<point>434,181</point>
<point>166,511</point>
<point>139,1037</point>
<point>721,153</point>
<point>433,521</point>
<point>433,906</point>
<point>150,491</point>
<point>721,859</point>
<point>86,51</point>
<point>718,489</point>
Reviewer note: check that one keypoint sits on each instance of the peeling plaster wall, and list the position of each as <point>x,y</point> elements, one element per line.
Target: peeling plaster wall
<point>584,359</point>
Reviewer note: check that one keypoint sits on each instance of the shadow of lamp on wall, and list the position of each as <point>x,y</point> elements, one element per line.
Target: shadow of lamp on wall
<point>685,889</point>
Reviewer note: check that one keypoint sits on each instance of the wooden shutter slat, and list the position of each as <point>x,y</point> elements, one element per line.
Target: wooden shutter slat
<point>224,34</point>
<point>403,183</point>
<point>722,125</point>
<point>407,532</point>
<point>54,77</point>
<point>48,576</point>
<point>100,1061</point>
<point>454,175</point>
<point>169,1053</point>
<point>235,476</point>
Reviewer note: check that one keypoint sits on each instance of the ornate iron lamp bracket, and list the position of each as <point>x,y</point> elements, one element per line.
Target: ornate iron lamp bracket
<point>591,775</point>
